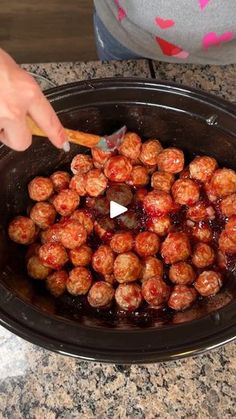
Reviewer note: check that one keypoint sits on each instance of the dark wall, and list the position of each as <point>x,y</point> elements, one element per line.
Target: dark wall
<point>47,30</point>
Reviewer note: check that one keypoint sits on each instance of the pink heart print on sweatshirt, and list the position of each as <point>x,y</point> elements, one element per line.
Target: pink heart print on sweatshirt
<point>164,23</point>
<point>121,13</point>
<point>203,3</point>
<point>212,39</point>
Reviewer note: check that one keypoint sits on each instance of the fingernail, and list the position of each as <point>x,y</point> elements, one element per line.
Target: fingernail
<point>66,146</point>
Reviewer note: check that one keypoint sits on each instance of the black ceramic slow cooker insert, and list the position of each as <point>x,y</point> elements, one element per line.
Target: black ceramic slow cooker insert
<point>192,120</point>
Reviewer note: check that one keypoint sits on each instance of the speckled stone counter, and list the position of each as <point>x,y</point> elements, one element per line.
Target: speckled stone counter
<point>37,384</point>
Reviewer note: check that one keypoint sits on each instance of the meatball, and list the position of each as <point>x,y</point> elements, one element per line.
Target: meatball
<point>223,183</point>
<point>185,174</point>
<point>231,225</point>
<point>101,295</point>
<point>43,214</point>
<point>100,157</point>
<point>73,234</point>
<point>159,225</point>
<point>120,193</point>
<point>131,146</point>
<point>129,220</point>
<point>77,183</point>
<point>83,217</point>
<point>182,297</point>
<point>202,168</point>
<point>152,267</point>
<point>181,273</point>
<point>140,195</point>
<point>33,250</point>
<point>40,188</point>
<point>79,281</point>
<point>162,181</point>
<point>128,296</point>
<point>60,180</point>
<point>228,205</point>
<point>147,244</point>
<point>221,260</point>
<point>175,248</point>
<point>122,242</point>
<point>56,283</point>
<point>149,152</point>
<point>102,206</point>
<point>185,192</point>
<point>200,211</point>
<point>203,255</point>
<point>118,169</point>
<point>202,232</point>
<point>157,203</point>
<point>36,269</point>
<point>139,176</point>
<point>95,182</point>
<point>127,267</point>
<point>81,163</point>
<point>66,202</point>
<point>22,230</point>
<point>81,256</point>
<point>227,243</point>
<point>208,283</point>
<point>171,160</point>
<point>155,292</point>
<point>52,234</point>
<point>103,260</point>
<point>53,255</point>
<point>110,278</point>
<point>104,228</point>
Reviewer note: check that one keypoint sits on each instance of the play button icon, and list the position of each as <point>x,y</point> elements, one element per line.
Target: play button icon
<point>116,209</point>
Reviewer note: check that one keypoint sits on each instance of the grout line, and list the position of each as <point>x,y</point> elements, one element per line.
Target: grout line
<point>151,69</point>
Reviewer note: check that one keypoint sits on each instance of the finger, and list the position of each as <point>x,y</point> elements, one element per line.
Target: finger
<point>44,115</point>
<point>16,135</point>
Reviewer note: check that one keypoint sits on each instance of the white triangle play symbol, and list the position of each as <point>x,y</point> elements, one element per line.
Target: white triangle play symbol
<point>116,209</point>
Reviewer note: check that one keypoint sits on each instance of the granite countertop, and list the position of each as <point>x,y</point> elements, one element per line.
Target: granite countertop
<point>38,384</point>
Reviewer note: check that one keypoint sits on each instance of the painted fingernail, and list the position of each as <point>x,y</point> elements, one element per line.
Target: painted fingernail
<point>66,146</point>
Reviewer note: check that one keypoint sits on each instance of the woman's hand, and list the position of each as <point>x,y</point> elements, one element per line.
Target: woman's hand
<point>20,95</point>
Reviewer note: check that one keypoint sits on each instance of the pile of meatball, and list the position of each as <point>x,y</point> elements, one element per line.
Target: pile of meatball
<point>172,246</point>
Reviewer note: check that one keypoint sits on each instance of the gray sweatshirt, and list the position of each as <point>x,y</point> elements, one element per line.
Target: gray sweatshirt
<point>187,31</point>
